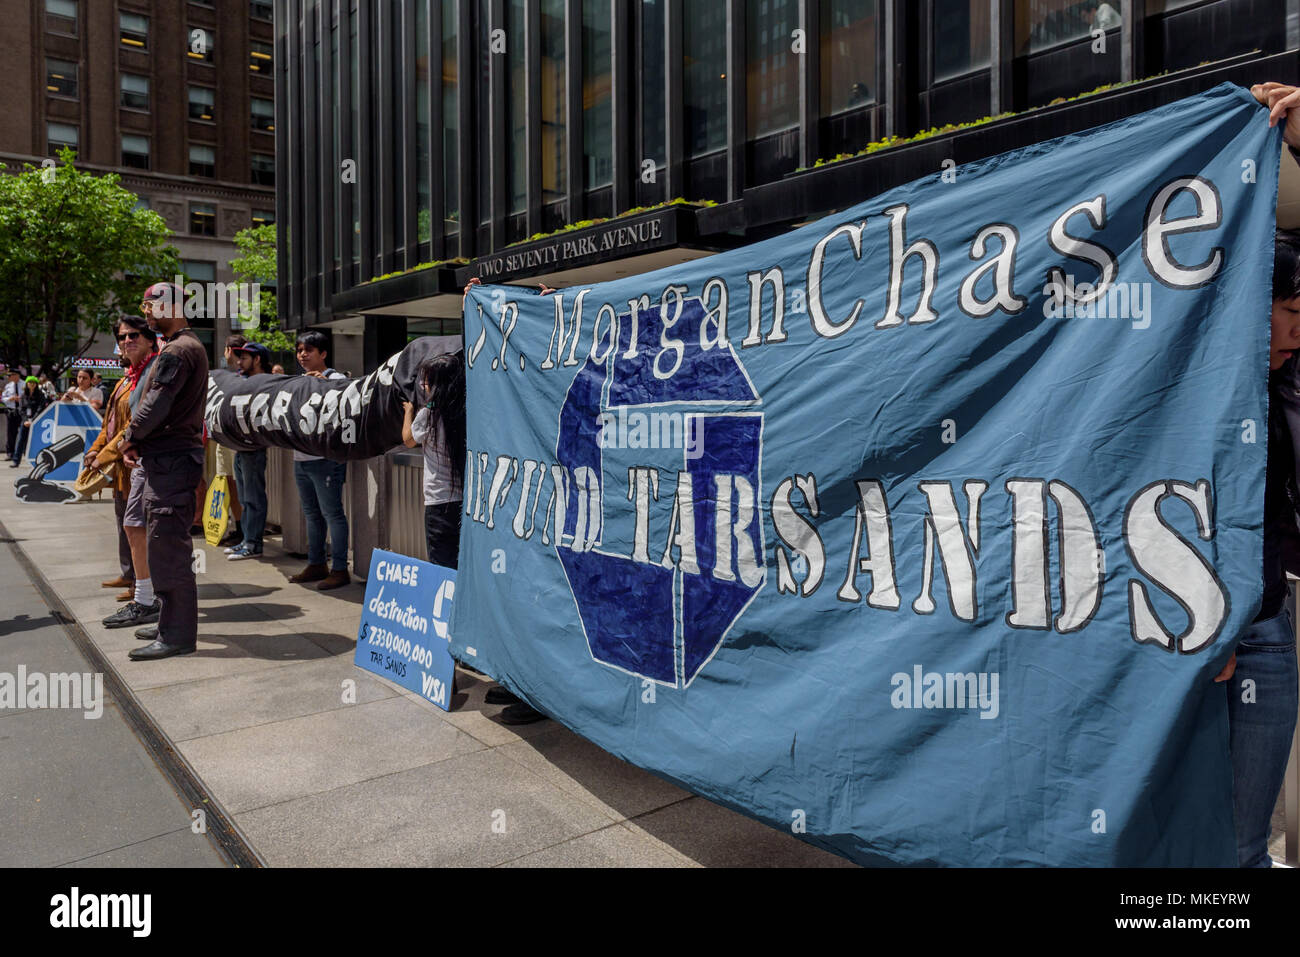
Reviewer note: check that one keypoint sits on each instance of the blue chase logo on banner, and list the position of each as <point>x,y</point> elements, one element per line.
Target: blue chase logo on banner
<point>658,636</point>
<point>403,633</point>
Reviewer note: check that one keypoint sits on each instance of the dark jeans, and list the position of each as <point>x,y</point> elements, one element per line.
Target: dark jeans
<point>250,476</point>
<point>170,481</point>
<point>14,423</point>
<point>20,447</point>
<point>320,489</point>
<point>442,533</point>
<point>1261,720</point>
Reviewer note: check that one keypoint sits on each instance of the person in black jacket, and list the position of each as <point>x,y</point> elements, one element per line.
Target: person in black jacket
<point>33,403</point>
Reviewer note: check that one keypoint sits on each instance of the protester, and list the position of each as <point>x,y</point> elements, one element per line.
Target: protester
<point>320,487</point>
<point>31,404</point>
<point>166,434</point>
<point>97,381</point>
<point>47,387</point>
<point>85,391</point>
<point>138,345</point>
<point>10,398</point>
<point>439,428</point>
<point>250,467</point>
<point>277,369</point>
<point>226,461</point>
<point>1261,725</point>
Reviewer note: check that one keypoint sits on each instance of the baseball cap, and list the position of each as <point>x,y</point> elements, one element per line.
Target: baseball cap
<point>257,349</point>
<point>168,292</point>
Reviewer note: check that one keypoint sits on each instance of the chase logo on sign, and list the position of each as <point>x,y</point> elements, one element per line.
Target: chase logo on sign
<point>655,612</point>
<point>58,438</point>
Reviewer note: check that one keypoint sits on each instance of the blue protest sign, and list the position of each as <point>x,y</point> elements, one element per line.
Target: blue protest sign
<point>922,530</point>
<point>56,444</point>
<point>403,632</point>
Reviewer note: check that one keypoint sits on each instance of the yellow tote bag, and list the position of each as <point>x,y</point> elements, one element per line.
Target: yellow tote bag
<point>216,510</point>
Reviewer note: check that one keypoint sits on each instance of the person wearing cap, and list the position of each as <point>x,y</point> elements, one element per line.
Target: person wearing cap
<point>166,436</point>
<point>250,467</point>
<point>30,404</point>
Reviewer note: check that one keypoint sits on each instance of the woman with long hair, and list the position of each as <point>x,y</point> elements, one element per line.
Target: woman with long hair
<point>31,404</point>
<point>439,427</point>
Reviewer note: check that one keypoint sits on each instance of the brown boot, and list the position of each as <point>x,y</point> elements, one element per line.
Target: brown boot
<point>126,595</point>
<point>118,582</point>
<point>335,579</point>
<point>312,573</point>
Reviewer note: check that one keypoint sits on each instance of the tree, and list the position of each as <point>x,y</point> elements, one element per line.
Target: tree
<point>256,264</point>
<point>75,252</point>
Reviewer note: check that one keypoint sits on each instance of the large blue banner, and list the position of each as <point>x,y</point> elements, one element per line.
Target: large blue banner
<point>921,531</point>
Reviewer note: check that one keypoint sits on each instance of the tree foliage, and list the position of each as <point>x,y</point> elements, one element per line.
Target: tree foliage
<point>256,263</point>
<point>75,252</point>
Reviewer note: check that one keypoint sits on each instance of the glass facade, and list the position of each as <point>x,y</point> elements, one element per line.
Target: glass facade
<point>613,104</point>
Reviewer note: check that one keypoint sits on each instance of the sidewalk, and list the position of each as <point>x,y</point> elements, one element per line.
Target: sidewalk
<point>258,713</point>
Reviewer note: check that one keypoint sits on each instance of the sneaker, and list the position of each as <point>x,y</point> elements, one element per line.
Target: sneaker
<point>231,549</point>
<point>233,538</point>
<point>134,614</point>
<point>244,551</point>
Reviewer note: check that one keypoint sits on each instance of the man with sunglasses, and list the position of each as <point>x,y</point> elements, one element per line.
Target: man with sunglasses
<point>166,436</point>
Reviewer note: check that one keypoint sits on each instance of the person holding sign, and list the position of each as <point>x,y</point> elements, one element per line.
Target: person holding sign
<point>439,428</point>
<point>1261,675</point>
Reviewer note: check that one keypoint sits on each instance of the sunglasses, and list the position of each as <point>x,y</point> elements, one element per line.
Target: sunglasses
<point>129,335</point>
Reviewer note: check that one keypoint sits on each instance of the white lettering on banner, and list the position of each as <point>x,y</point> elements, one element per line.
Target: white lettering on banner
<point>665,512</point>
<point>902,260</point>
<point>408,617</point>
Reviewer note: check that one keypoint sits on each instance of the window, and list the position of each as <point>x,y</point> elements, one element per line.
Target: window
<point>653,133</point>
<point>200,43</point>
<point>450,122</point>
<point>261,9</point>
<point>704,41</point>
<point>60,77</point>
<point>263,170</point>
<point>135,151</point>
<point>554,157</point>
<point>849,44</point>
<point>203,219</point>
<point>263,112</point>
<point>773,81</point>
<point>135,91</point>
<point>61,16</point>
<point>263,217</point>
<point>199,270</point>
<point>202,103</point>
<point>1041,24</point>
<point>516,110</point>
<point>133,30</point>
<point>961,37</point>
<point>203,161</point>
<point>142,202</point>
<point>597,112</point>
<point>59,135</point>
<point>423,214</point>
<point>260,57</point>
